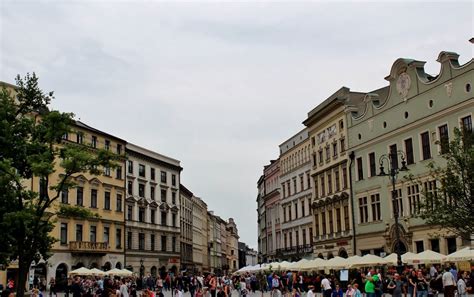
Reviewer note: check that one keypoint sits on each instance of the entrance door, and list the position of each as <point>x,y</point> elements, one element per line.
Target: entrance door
<point>61,277</point>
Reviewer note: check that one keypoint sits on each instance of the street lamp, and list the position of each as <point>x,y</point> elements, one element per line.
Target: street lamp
<point>392,164</point>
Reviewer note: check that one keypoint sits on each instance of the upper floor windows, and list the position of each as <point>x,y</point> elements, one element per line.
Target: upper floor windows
<point>425,146</point>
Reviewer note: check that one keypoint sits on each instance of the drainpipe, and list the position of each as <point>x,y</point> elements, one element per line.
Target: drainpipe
<point>351,192</point>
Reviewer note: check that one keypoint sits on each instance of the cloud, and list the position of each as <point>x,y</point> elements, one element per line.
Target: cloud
<point>218,85</point>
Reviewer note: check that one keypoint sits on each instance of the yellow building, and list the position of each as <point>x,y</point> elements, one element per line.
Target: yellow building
<point>93,242</point>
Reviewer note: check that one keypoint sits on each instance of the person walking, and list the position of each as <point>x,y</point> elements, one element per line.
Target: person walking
<point>396,285</point>
<point>461,284</point>
<point>421,285</point>
<point>449,284</point>
<point>326,287</point>
<point>52,287</point>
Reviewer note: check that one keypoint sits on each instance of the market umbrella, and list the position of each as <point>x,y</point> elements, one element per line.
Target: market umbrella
<point>352,259</point>
<point>81,271</point>
<point>465,254</point>
<point>115,271</point>
<point>425,257</point>
<point>126,272</point>
<point>392,258</point>
<point>368,260</point>
<point>337,263</point>
<point>315,264</point>
<point>296,266</point>
<point>96,271</point>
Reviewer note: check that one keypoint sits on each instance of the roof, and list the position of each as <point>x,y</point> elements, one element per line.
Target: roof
<point>92,129</point>
<point>185,190</point>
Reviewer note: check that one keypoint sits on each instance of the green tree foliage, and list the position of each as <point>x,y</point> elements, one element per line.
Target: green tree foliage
<point>451,204</point>
<point>31,150</point>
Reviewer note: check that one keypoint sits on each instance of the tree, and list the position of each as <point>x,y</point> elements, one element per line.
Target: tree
<point>450,204</point>
<point>32,148</point>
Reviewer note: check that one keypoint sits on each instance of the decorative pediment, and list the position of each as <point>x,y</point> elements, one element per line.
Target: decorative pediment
<point>153,204</point>
<point>344,195</point>
<point>142,202</point>
<point>95,182</point>
<point>130,199</point>
<point>174,209</point>
<point>164,206</point>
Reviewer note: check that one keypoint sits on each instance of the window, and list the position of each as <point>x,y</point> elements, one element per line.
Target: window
<point>284,214</point>
<point>341,124</point>
<point>141,241</point>
<point>329,182</point>
<point>414,199</point>
<point>80,196</point>
<point>65,196</point>
<point>118,172</point>
<point>289,212</point>
<point>130,187</point>
<point>328,153</point>
<point>118,238</point>
<point>288,187</point>
<point>93,233</point>
<point>331,224</point>
<point>141,214</point>
<point>338,180</point>
<point>296,210</point>
<point>372,166</point>
<point>308,180</point>
<point>323,223</point>
<point>304,236</point>
<point>294,185</point>
<point>393,156</point>
<point>107,171</point>
<point>129,212</point>
<point>425,146</point>
<point>163,177</point>
<point>323,186</point>
<point>43,187</point>
<point>94,198</point>
<point>130,167</point>
<point>466,123</point>
<point>320,153</point>
<point>285,240</point>
<point>106,234</point>
<point>314,160</point>
<point>376,212</point>
<point>173,179</point>
<point>78,232</point>
<point>94,141</point>
<point>152,216</point>
<point>316,222</point>
<point>173,244</point>
<point>163,243</point>
<point>152,193</point>
<point>344,178</point>
<point>152,241</point>
<point>409,151</point>
<point>65,136</point>
<point>163,218</point>
<point>434,245</point>
<point>141,170</point>
<point>343,144</point>
<point>141,190</point>
<point>152,173</point>
<point>346,218</point>
<point>119,149</point>
<point>430,191</point>
<point>174,220</point>
<point>79,137</point>
<point>107,144</point>
<point>443,138</point>
<point>63,235</point>
<point>163,195</point>
<point>398,203</point>
<point>301,183</point>
<point>118,206</point>
<point>338,220</point>
<point>302,208</point>
<point>284,189</point>
<point>297,235</point>
<point>129,240</point>
<point>363,210</point>
<point>173,197</point>
<point>334,149</point>
<point>291,239</point>
<point>419,246</point>
<point>311,235</point>
<point>360,170</point>
<point>107,200</point>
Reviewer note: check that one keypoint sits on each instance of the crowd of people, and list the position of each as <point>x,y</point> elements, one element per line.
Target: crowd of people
<point>356,283</point>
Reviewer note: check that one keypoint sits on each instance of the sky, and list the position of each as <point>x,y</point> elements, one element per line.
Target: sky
<point>218,85</point>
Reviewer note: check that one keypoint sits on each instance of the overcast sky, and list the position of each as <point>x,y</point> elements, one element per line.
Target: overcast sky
<point>218,85</point>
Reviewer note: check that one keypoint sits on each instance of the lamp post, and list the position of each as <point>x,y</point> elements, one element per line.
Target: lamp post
<point>392,164</point>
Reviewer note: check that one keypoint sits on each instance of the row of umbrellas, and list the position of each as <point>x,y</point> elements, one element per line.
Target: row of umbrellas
<point>426,257</point>
<point>97,272</point>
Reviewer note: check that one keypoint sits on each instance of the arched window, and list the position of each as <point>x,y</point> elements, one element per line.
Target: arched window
<point>118,265</point>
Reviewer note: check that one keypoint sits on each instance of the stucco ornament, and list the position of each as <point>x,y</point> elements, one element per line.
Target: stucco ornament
<point>403,84</point>
<point>449,89</point>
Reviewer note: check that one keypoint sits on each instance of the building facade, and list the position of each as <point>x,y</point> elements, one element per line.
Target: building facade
<point>261,221</point>
<point>295,184</point>
<point>273,211</point>
<point>214,244</point>
<point>332,209</point>
<point>232,253</point>
<point>186,218</point>
<point>152,213</point>
<point>96,242</point>
<point>200,235</point>
<point>413,116</point>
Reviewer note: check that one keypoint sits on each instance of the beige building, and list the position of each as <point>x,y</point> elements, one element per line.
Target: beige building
<point>232,252</point>
<point>152,212</point>
<point>200,235</point>
<point>332,211</point>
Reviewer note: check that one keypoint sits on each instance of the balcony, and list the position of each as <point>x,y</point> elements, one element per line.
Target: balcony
<point>295,250</point>
<point>88,247</point>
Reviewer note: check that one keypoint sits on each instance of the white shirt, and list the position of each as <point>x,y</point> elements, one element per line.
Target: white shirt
<point>179,293</point>
<point>461,286</point>
<point>123,290</point>
<point>326,284</point>
<point>448,279</point>
<point>310,294</point>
